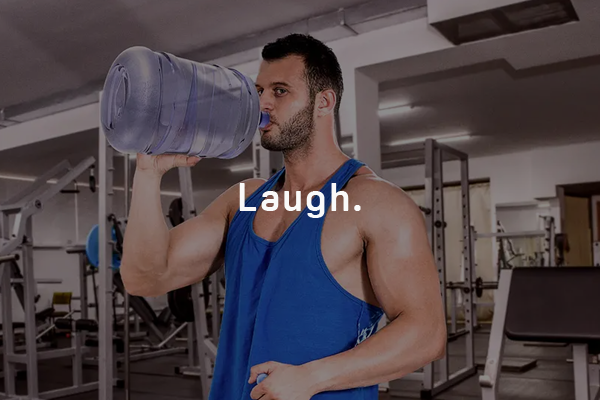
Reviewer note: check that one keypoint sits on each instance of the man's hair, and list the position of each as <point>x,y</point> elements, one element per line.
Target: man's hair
<point>321,66</point>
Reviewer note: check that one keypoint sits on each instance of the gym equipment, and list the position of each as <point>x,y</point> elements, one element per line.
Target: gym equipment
<point>24,205</point>
<point>176,212</point>
<point>479,286</point>
<point>548,236</point>
<point>565,310</point>
<point>91,249</point>
<point>433,155</point>
<point>181,304</point>
<point>203,109</point>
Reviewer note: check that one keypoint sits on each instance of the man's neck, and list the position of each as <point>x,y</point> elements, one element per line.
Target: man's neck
<point>310,167</point>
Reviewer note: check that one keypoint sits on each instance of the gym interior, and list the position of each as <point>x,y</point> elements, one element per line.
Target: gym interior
<point>484,112</point>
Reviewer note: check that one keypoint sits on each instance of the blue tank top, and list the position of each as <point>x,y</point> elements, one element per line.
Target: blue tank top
<point>282,303</point>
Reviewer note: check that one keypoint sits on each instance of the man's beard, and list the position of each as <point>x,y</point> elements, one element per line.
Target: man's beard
<point>294,134</point>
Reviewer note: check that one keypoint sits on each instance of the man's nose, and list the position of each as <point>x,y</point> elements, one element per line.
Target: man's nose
<point>266,102</point>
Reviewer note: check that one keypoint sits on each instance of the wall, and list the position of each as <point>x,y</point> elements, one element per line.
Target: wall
<point>55,226</point>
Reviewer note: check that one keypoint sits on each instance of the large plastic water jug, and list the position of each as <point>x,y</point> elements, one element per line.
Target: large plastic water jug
<point>157,103</point>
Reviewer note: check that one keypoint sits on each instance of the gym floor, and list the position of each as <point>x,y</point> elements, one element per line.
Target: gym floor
<point>155,379</point>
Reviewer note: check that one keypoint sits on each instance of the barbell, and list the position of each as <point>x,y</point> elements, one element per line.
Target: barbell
<point>478,286</point>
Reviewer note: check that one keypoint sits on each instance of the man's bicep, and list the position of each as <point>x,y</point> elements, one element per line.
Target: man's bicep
<point>197,246</point>
<point>400,261</point>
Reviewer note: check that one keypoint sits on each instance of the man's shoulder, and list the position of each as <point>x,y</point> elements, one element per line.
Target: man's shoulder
<point>249,186</point>
<point>231,197</point>
<point>366,185</point>
<point>377,196</point>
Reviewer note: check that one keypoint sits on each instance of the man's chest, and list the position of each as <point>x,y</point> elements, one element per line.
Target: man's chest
<point>340,240</point>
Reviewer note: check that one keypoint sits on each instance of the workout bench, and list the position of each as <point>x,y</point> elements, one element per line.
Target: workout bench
<point>553,305</point>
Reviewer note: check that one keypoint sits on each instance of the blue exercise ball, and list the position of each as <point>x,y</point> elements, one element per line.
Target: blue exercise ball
<point>92,245</point>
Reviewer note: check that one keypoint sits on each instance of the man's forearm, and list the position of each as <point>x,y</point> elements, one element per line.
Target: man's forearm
<point>147,236</point>
<point>399,349</point>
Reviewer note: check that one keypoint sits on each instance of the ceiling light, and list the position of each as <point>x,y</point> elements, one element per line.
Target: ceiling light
<point>440,139</point>
<point>461,138</point>
<point>18,178</point>
<point>397,110</point>
<point>242,168</point>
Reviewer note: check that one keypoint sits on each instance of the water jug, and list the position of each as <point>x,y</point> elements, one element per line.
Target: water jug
<point>157,103</point>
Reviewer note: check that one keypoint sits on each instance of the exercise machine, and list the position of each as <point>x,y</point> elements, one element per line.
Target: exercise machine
<point>547,257</point>
<point>42,318</point>
<point>23,206</point>
<point>565,310</point>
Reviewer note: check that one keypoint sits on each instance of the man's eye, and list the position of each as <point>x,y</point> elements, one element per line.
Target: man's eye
<point>280,91</point>
<point>259,91</point>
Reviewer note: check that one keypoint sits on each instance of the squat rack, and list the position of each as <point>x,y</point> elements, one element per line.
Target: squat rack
<point>24,205</point>
<point>433,154</point>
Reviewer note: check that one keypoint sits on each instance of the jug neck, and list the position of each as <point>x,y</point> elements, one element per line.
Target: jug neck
<point>265,118</point>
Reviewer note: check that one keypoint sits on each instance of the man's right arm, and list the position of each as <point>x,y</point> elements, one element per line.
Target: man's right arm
<point>157,259</point>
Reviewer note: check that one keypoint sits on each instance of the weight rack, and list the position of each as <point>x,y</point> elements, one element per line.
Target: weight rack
<point>433,154</point>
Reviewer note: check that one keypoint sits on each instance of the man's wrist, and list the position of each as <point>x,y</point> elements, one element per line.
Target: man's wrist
<point>318,376</point>
<point>148,175</point>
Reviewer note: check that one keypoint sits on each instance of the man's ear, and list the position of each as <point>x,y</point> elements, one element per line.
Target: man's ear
<point>326,102</point>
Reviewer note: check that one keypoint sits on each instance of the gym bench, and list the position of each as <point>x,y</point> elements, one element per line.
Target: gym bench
<point>552,305</point>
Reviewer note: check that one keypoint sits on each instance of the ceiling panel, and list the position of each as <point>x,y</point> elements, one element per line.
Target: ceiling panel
<point>55,46</point>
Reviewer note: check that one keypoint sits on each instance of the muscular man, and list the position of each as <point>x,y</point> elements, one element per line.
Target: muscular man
<point>305,292</point>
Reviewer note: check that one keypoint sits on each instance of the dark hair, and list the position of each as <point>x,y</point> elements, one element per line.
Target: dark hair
<point>322,69</point>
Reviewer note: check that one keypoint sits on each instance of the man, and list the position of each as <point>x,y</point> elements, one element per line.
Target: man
<point>305,292</point>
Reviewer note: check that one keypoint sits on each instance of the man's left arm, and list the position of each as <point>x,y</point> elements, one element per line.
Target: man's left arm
<point>404,276</point>
<point>405,279</point>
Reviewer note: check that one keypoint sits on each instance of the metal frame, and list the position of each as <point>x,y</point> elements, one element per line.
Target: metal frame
<point>433,154</point>
<point>205,347</point>
<point>127,333</point>
<point>24,205</point>
<point>106,361</point>
<point>491,375</point>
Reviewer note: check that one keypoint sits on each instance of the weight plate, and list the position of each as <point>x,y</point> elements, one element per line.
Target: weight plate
<point>181,305</point>
<point>479,287</point>
<point>176,212</point>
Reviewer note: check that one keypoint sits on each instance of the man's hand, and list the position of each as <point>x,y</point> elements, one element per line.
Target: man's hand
<point>284,382</point>
<point>160,164</point>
